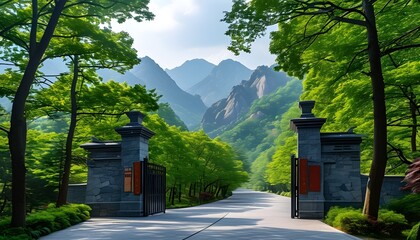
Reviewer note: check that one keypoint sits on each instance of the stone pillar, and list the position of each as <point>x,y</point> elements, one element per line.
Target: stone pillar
<point>308,127</point>
<point>134,148</point>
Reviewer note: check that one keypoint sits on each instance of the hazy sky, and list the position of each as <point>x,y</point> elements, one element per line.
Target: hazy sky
<point>188,29</point>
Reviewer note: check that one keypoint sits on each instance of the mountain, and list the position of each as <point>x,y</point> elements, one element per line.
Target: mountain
<point>188,107</point>
<point>190,72</point>
<point>218,84</point>
<point>263,81</point>
<point>128,77</point>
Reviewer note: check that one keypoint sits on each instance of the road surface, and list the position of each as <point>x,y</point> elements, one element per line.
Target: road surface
<point>245,215</point>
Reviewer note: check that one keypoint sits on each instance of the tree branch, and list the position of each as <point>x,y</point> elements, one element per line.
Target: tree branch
<point>351,21</point>
<point>391,50</point>
<point>4,129</point>
<point>400,154</point>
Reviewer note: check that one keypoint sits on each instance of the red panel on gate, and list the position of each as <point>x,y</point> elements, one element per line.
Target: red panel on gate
<point>303,176</point>
<point>137,178</point>
<point>315,178</point>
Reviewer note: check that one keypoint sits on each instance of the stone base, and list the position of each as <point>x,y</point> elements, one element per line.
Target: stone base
<point>104,209</point>
<point>116,209</point>
<point>311,209</point>
<point>131,209</point>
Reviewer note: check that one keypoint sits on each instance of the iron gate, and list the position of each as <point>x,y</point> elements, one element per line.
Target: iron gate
<point>294,190</point>
<point>154,188</point>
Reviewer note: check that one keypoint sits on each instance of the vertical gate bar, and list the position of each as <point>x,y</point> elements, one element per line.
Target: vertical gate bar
<point>293,186</point>
<point>164,190</point>
<point>146,189</point>
<point>297,165</point>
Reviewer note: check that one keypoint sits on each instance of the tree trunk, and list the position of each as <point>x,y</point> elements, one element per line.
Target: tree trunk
<point>413,110</point>
<point>64,186</point>
<point>179,193</point>
<point>3,193</point>
<point>173,195</point>
<point>17,134</point>
<point>377,170</point>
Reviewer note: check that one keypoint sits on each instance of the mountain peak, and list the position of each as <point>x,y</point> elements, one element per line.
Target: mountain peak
<point>190,72</point>
<point>155,77</point>
<point>220,81</point>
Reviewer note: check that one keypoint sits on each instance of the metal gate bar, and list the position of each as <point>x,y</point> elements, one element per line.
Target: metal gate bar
<point>294,163</point>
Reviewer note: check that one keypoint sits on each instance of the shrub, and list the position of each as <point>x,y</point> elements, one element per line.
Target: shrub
<point>353,222</point>
<point>38,220</point>
<point>333,212</point>
<point>391,223</point>
<point>43,222</point>
<point>350,220</point>
<point>414,233</point>
<point>408,206</point>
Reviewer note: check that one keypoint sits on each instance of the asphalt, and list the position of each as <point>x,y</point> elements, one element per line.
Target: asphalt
<point>245,215</point>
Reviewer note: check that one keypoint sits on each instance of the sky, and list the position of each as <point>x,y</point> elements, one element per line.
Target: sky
<point>186,29</point>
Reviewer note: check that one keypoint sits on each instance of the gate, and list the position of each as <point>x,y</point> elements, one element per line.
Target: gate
<point>294,190</point>
<point>154,188</point>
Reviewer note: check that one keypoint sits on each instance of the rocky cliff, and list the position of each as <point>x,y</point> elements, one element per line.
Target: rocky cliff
<point>264,80</point>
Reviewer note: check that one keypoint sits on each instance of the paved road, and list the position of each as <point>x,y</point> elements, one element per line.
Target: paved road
<point>245,215</point>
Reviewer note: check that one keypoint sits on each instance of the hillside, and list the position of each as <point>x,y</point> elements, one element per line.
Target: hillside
<point>257,130</point>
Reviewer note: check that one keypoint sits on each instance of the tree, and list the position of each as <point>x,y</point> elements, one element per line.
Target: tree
<point>305,42</point>
<point>27,29</point>
<point>413,177</point>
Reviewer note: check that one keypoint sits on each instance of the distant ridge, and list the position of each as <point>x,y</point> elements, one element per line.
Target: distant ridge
<point>190,72</point>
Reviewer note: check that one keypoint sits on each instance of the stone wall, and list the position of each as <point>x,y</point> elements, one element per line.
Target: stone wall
<point>77,193</point>
<point>390,188</point>
<point>341,159</point>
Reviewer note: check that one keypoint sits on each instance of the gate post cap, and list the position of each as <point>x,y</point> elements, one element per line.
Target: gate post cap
<point>136,117</point>
<point>306,107</point>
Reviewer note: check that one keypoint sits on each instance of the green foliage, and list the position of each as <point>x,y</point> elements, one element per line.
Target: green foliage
<point>286,194</point>
<point>408,206</point>
<point>170,117</point>
<point>194,162</point>
<point>391,223</point>
<point>43,222</point>
<point>350,220</point>
<point>353,222</point>
<point>414,233</point>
